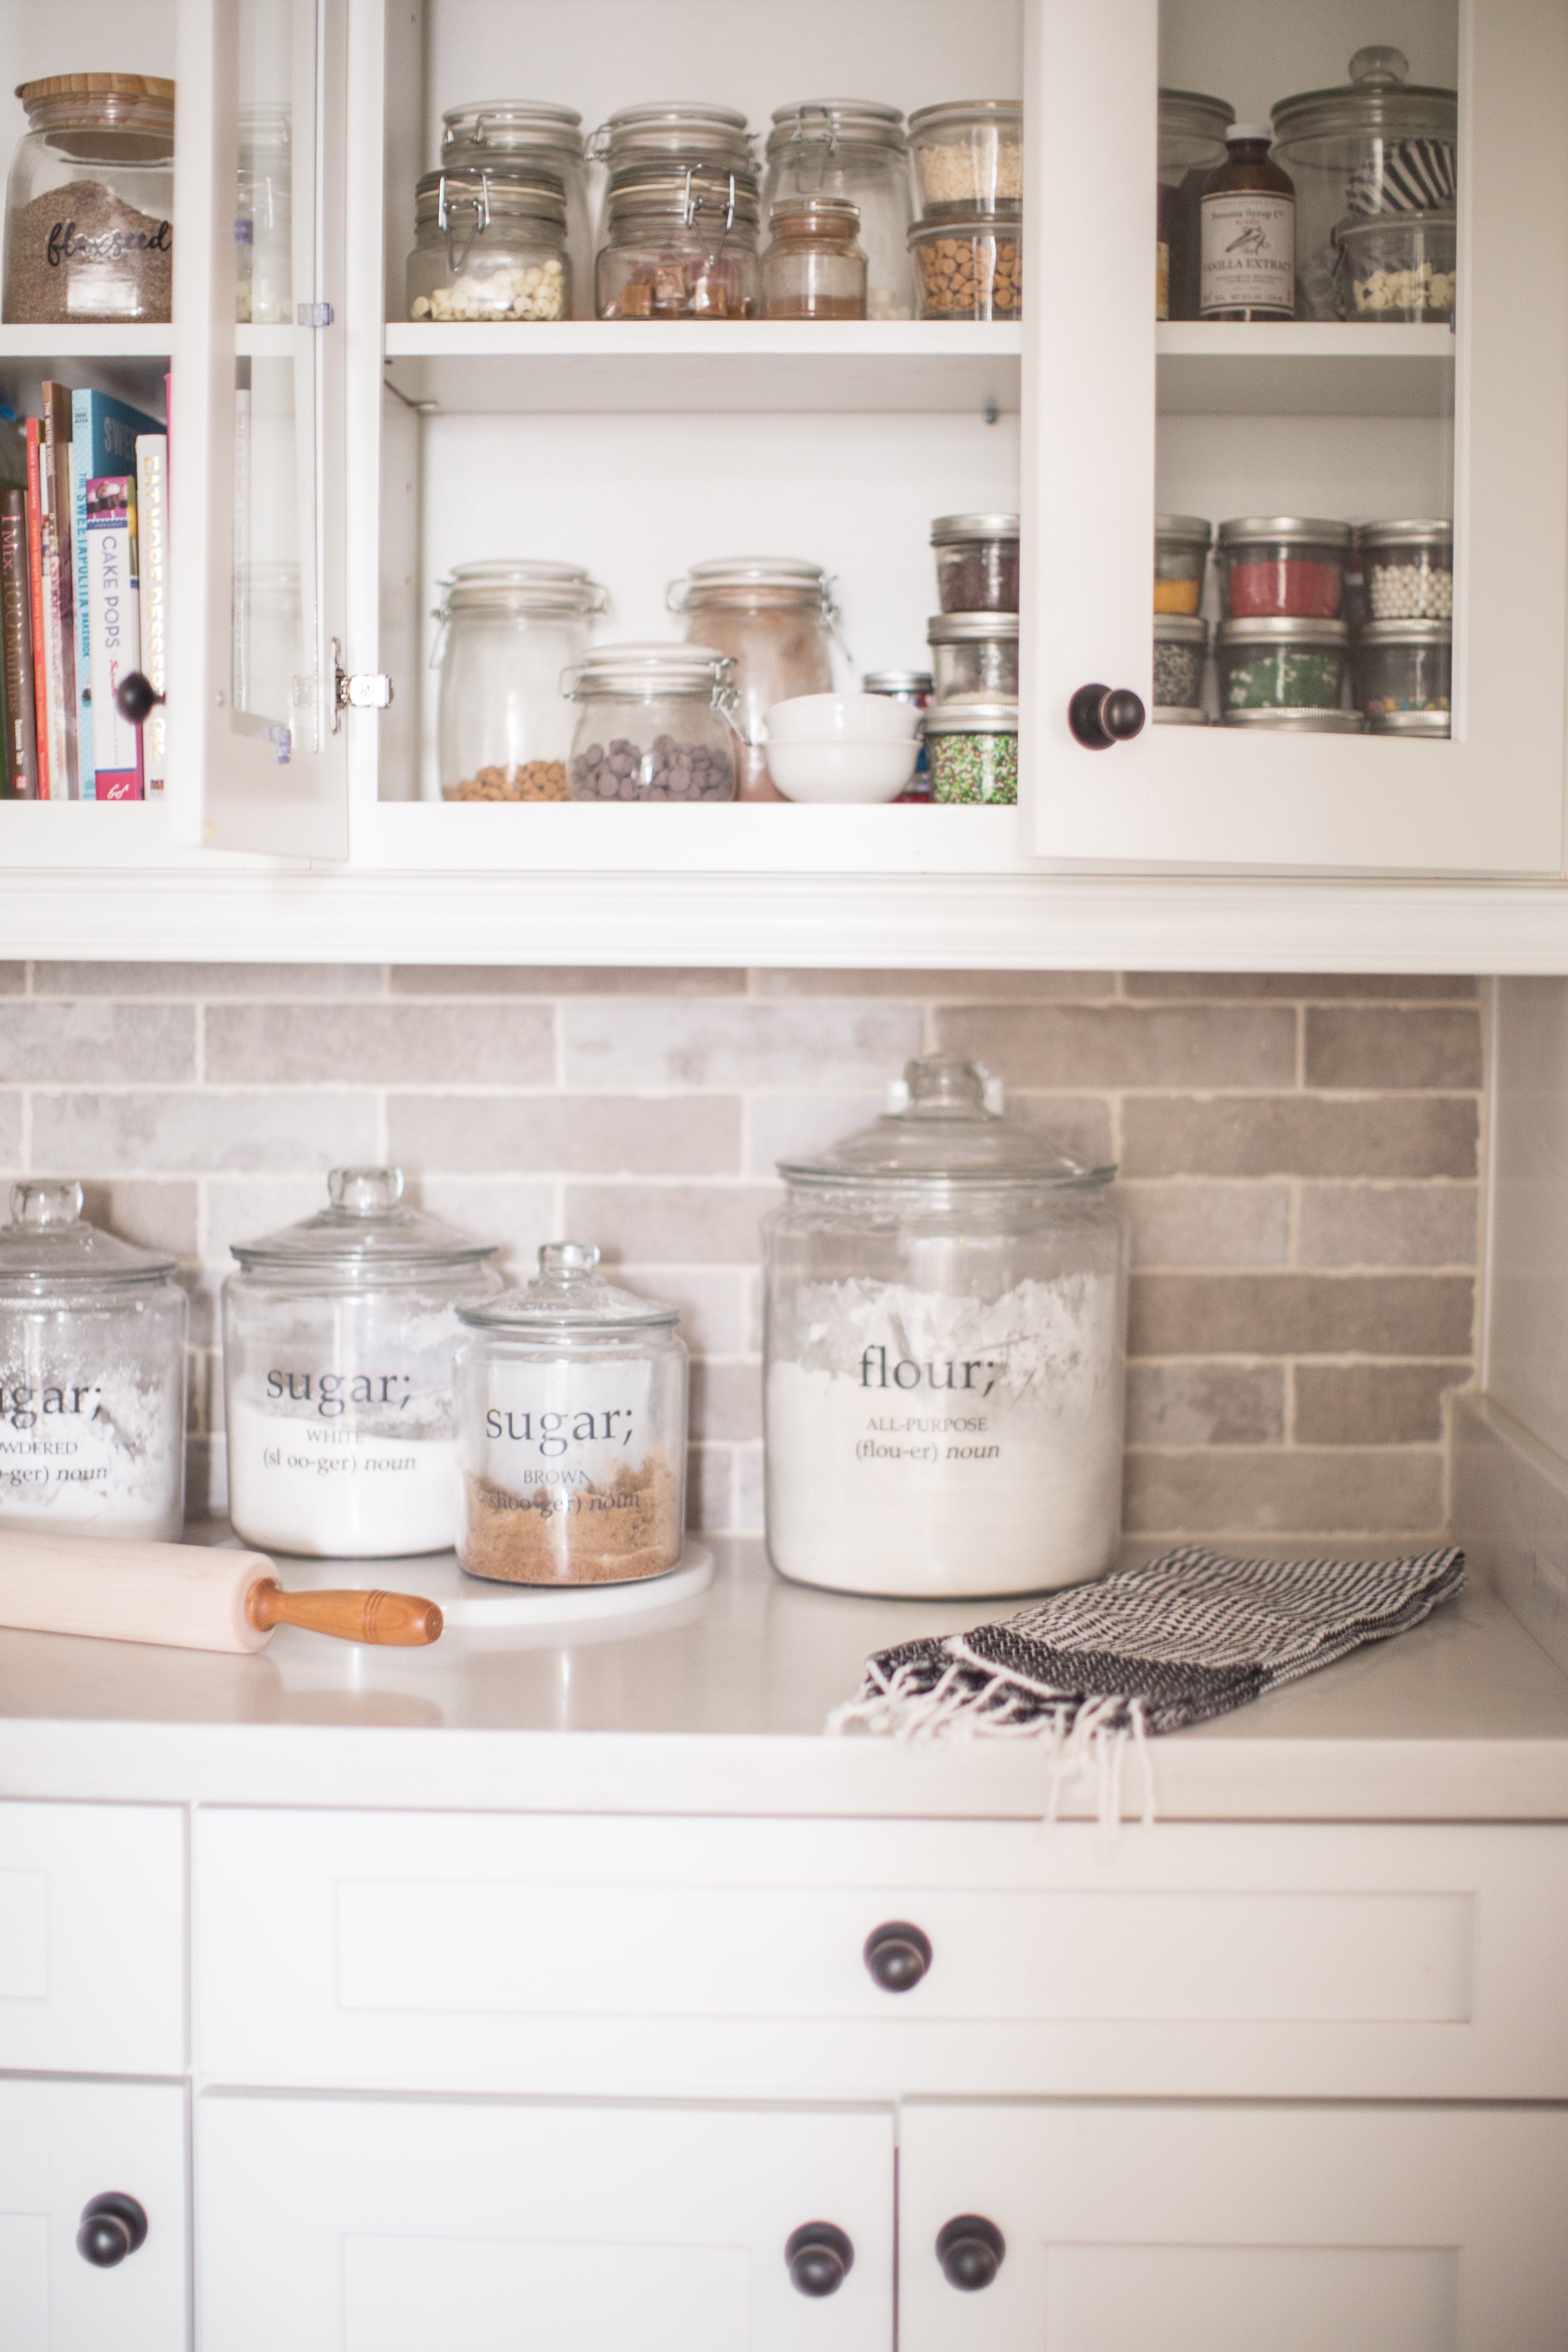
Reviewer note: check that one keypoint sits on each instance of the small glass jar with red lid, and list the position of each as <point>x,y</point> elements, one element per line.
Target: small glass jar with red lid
<point>1281,567</point>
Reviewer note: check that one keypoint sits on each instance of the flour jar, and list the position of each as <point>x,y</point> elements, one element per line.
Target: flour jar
<point>92,1375</point>
<point>338,1338</point>
<point>944,1354</point>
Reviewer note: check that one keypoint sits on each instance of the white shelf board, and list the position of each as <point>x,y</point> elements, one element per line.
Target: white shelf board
<point>1307,369</point>
<point>672,365</point>
<point>84,342</point>
<point>746,838</point>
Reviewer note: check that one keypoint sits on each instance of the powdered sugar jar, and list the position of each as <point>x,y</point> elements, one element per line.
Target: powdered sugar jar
<point>945,1355</point>
<point>338,1338</point>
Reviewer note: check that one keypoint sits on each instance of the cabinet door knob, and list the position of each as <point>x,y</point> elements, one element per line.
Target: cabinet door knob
<point>112,2226</point>
<point>819,2258</point>
<point>1101,716</point>
<point>136,697</point>
<point>898,1955</point>
<point>971,2250</point>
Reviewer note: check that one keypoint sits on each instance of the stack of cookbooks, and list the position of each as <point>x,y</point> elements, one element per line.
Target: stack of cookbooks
<point>84,575</point>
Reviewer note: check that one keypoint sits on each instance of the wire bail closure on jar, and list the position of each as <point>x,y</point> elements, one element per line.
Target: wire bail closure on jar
<point>693,207</point>
<point>478,205</point>
<point>825,141</point>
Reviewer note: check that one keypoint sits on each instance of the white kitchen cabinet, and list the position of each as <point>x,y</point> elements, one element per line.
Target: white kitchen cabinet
<point>62,2144</point>
<point>1220,2228</point>
<point>391,2226</point>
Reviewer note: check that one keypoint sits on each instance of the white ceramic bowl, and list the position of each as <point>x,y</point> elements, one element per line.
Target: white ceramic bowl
<point>840,771</point>
<point>842,718</point>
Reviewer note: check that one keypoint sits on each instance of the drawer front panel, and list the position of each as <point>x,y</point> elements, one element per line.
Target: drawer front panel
<point>92,1936</point>
<point>496,1952</point>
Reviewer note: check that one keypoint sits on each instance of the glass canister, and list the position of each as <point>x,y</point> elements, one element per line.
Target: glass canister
<point>969,152</point>
<point>489,245</point>
<point>973,748</point>
<point>1192,146</point>
<point>1181,558</point>
<point>774,615</point>
<point>969,263</point>
<point>944,1354</point>
<point>1378,143</point>
<point>1400,268</point>
<point>1404,666</point>
<point>655,723</point>
<point>680,244</point>
<point>338,1338</point>
<point>89,203</point>
<point>1289,567</point>
<point>264,219</point>
<point>572,1410</point>
<point>976,562</point>
<point>855,149</point>
<point>509,631</point>
<point>975,655</point>
<point>1281,665</point>
<point>92,1375</point>
<point>1409,570</point>
<point>812,268</point>
<point>529,135</point>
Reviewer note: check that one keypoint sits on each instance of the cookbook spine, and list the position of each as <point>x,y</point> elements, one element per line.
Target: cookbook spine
<point>115,630</point>
<point>16,644</point>
<point>81,468</point>
<point>60,586</point>
<point>36,604</point>
<point>152,567</point>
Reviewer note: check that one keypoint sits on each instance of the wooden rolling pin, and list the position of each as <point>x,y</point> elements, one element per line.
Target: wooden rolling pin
<point>186,1596</point>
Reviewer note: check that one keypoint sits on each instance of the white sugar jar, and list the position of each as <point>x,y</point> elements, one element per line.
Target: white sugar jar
<point>944,1355</point>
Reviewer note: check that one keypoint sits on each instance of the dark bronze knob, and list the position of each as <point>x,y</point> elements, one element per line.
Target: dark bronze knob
<point>898,1955</point>
<point>971,2250</point>
<point>112,2226</point>
<point>1101,716</point>
<point>819,2258</point>
<point>135,698</point>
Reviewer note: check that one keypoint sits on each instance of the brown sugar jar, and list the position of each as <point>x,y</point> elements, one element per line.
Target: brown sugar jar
<point>1247,265</point>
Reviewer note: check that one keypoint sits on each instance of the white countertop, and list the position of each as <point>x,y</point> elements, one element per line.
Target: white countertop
<point>716,1705</point>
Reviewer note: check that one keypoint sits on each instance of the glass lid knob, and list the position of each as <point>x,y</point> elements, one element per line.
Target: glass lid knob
<point>45,1204</point>
<point>568,1257</point>
<point>364,1191</point>
<point>945,1082</point>
<point>1379,65</point>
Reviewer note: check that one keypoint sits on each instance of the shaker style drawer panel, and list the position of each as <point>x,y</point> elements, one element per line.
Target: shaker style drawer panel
<point>92,1938</point>
<point>481,2224</point>
<point>549,1954</point>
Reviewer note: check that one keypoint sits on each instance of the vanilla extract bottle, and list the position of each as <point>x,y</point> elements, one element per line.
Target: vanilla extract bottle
<point>1248,266</point>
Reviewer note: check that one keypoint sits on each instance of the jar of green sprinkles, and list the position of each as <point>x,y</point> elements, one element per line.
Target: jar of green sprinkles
<point>972,751</point>
<point>1281,664</point>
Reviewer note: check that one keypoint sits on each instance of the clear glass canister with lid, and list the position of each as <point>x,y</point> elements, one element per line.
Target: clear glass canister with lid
<point>1401,268</point>
<point>89,203</point>
<point>1376,144</point>
<point>264,218</point>
<point>774,615</point>
<point>969,263</point>
<point>654,723</point>
<point>1192,146</point>
<point>490,245</point>
<point>680,244</point>
<point>969,152</point>
<point>854,150</point>
<point>976,562</point>
<point>509,631</point>
<point>92,1375</point>
<point>530,135</point>
<point>975,655</point>
<point>944,1354</point>
<point>812,268</point>
<point>338,1338</point>
<point>572,1407</point>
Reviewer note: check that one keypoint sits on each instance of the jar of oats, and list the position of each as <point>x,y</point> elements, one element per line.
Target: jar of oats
<point>89,240</point>
<point>969,152</point>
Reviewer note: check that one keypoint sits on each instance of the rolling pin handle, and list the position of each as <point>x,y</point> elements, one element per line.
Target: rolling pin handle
<point>400,1619</point>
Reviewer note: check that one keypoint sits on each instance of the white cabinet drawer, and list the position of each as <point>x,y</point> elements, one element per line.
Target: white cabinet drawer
<point>551,1954</point>
<point>62,2144</point>
<point>403,2226</point>
<point>92,1938</point>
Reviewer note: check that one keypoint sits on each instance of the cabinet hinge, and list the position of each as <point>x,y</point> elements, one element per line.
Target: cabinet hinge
<point>357,690</point>
<point>313,314</point>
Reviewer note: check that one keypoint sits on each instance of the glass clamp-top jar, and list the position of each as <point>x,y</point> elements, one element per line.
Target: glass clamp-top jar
<point>976,562</point>
<point>944,1354</point>
<point>969,263</point>
<point>508,631</point>
<point>1192,147</point>
<point>681,244</point>
<point>571,1407</point>
<point>666,135</point>
<point>775,616</point>
<point>975,655</point>
<point>264,219</point>
<point>489,245</point>
<point>812,268</point>
<point>531,136</point>
<point>973,748</point>
<point>92,1375</point>
<point>89,240</point>
<point>856,151</point>
<point>655,724</point>
<point>338,1338</point>
<point>969,152</point>
<point>1181,558</point>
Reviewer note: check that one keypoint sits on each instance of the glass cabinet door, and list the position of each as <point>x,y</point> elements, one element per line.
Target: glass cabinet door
<point>1323,693</point>
<point>254,731</point>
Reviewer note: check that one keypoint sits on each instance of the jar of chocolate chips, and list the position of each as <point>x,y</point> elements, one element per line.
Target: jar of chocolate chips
<point>655,724</point>
<point>89,240</point>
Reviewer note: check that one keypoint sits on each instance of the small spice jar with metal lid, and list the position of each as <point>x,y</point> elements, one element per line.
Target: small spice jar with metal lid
<point>976,562</point>
<point>974,655</point>
<point>1181,646</point>
<point>531,136</point>
<point>1289,567</point>
<point>1413,726</point>
<point>1303,721</point>
<point>92,1375</point>
<point>774,615</point>
<point>973,748</point>
<point>680,244</point>
<point>912,687</point>
<point>1281,664</point>
<point>969,265</point>
<point>1409,570</point>
<point>1181,558</point>
<point>490,245</point>
<point>1404,666</point>
<point>338,1338</point>
<point>856,149</point>
<point>89,240</point>
<point>654,723</point>
<point>508,631</point>
<point>812,268</point>
<point>571,1412</point>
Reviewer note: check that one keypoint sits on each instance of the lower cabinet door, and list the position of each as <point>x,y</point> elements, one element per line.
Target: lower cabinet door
<point>65,2146</point>
<point>387,2225</point>
<point>1231,2229</point>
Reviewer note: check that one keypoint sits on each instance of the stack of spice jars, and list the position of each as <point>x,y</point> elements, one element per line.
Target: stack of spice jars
<point>968,243</point>
<point>971,725</point>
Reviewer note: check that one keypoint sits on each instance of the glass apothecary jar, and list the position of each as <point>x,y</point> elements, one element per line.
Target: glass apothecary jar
<point>1404,666</point>
<point>489,245</point>
<point>531,136</point>
<point>654,723</point>
<point>1181,558</point>
<point>944,1354</point>
<point>812,268</point>
<point>973,749</point>
<point>969,265</point>
<point>1378,144</point>
<point>1181,646</point>
<point>338,1338</point>
<point>89,240</point>
<point>681,244</point>
<point>1401,268</point>
<point>1281,665</point>
<point>976,562</point>
<point>1192,145</point>
<point>264,219</point>
<point>974,655</point>
<point>774,615</point>
<point>856,151</point>
<point>572,1410</point>
<point>1281,566</point>
<point>969,152</point>
<point>92,1375</point>
<point>1409,570</point>
<point>507,632</point>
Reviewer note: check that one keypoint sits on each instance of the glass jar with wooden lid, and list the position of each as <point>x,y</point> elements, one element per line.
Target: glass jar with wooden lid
<point>89,235</point>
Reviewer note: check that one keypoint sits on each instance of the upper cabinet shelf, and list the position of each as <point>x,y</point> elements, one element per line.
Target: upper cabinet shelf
<point>1335,369</point>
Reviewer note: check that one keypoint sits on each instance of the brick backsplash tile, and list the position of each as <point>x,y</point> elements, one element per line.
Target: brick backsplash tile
<point>1387,1224</point>
<point>1263,987</point>
<point>520,1214</point>
<point>1080,1125</point>
<point>749,1510</point>
<point>11,1132</point>
<point>939,987</point>
<point>379,1045</point>
<point>62,1042</point>
<point>13,978</point>
<point>1374,1404</point>
<point>711,1488</point>
<point>586,1135</point>
<point>726,1398</point>
<point>1327,1491</point>
<point>806,1046</point>
<point>1300,1135</point>
<point>1188,1224</point>
<point>1125,1045</point>
<point>243,1208</point>
<point>715,1303</point>
<point>153,1134</point>
<point>784,1126</point>
<point>201,980</point>
<point>1387,1046</point>
<point>1205,1404</point>
<point>670,1224</point>
<point>557,980</point>
<point>1300,1314</point>
<point>161,1216</point>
